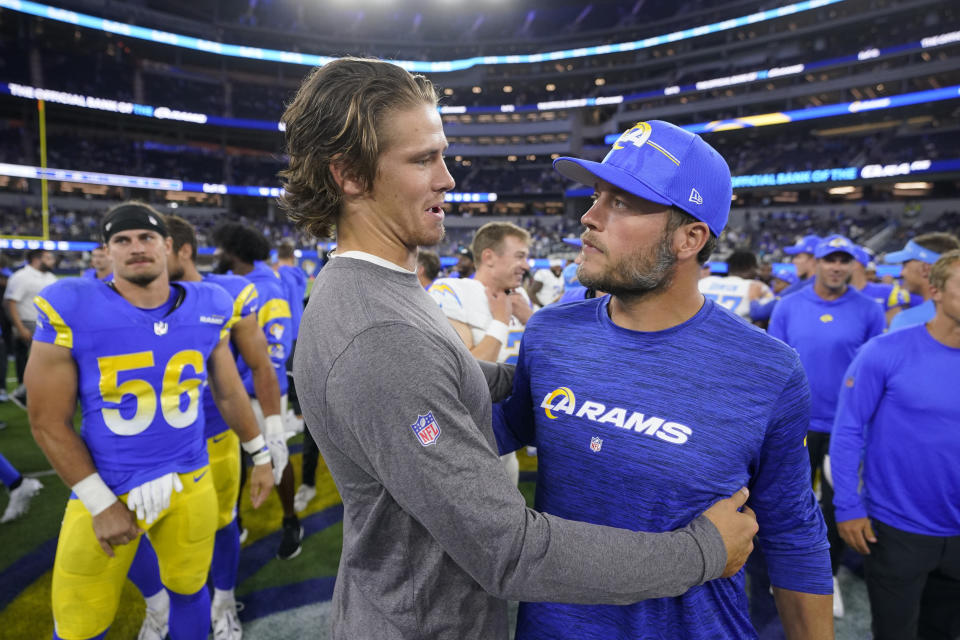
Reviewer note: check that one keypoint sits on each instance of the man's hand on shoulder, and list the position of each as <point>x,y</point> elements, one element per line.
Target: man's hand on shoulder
<point>737,525</point>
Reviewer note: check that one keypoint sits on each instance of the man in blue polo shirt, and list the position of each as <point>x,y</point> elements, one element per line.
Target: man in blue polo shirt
<point>917,258</point>
<point>826,323</point>
<point>626,436</point>
<point>898,414</point>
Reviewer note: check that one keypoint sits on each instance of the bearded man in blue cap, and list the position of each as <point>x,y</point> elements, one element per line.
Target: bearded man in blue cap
<point>826,323</point>
<point>628,436</point>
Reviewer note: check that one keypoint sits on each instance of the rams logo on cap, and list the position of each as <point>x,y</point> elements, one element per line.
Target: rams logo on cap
<point>637,135</point>
<point>837,242</point>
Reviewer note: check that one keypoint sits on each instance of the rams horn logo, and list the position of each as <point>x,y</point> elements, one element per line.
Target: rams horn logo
<point>567,403</point>
<point>636,135</point>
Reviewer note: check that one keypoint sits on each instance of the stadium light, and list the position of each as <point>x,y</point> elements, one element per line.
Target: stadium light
<point>295,57</point>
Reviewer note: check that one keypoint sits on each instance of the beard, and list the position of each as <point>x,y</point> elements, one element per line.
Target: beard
<point>636,275</point>
<point>142,279</point>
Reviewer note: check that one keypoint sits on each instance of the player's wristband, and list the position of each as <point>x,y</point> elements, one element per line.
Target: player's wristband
<point>498,331</point>
<point>254,445</point>
<point>273,425</point>
<point>94,493</point>
<point>261,457</point>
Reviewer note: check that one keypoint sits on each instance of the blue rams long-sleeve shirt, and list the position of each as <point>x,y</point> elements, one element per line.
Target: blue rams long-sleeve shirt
<point>898,412</point>
<point>645,431</point>
<point>826,334</point>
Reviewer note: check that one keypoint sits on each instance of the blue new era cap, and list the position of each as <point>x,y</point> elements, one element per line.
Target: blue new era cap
<point>806,244</point>
<point>912,251</point>
<point>785,272</point>
<point>862,255</point>
<point>662,163</point>
<point>835,244</point>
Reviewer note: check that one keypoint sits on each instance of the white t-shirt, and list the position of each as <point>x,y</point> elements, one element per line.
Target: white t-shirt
<point>23,285</point>
<point>732,292</point>
<point>465,301</point>
<point>552,286</point>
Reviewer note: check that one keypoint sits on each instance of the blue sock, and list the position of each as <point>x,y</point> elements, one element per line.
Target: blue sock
<point>8,475</point>
<point>190,615</point>
<point>145,572</point>
<point>226,557</point>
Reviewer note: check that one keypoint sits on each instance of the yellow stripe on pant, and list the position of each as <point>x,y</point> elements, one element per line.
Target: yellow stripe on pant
<point>224,452</point>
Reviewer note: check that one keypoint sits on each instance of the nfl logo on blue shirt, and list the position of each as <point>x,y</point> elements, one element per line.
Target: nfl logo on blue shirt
<point>595,444</point>
<point>426,429</point>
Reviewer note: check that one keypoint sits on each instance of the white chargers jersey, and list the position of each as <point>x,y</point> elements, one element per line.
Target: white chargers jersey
<point>465,300</point>
<point>552,287</point>
<point>732,292</point>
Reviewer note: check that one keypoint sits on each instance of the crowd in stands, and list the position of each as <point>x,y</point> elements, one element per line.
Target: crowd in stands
<point>763,233</point>
<point>746,152</point>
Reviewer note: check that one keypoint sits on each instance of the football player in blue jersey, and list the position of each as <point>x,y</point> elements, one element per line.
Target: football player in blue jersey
<point>243,251</point>
<point>629,436</point>
<point>295,286</point>
<point>101,266</point>
<point>136,353</point>
<point>898,416</point>
<point>247,341</point>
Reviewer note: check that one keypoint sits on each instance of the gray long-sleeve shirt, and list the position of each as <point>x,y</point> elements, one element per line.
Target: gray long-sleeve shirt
<point>435,536</point>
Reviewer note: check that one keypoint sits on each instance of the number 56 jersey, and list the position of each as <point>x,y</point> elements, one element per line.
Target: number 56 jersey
<point>140,372</point>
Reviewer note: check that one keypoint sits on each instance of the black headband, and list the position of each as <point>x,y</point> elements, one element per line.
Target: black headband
<point>132,216</point>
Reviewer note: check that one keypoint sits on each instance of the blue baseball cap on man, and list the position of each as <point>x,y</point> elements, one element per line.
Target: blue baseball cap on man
<point>862,255</point>
<point>806,244</point>
<point>662,163</point>
<point>835,244</point>
<point>785,272</point>
<point>912,251</point>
